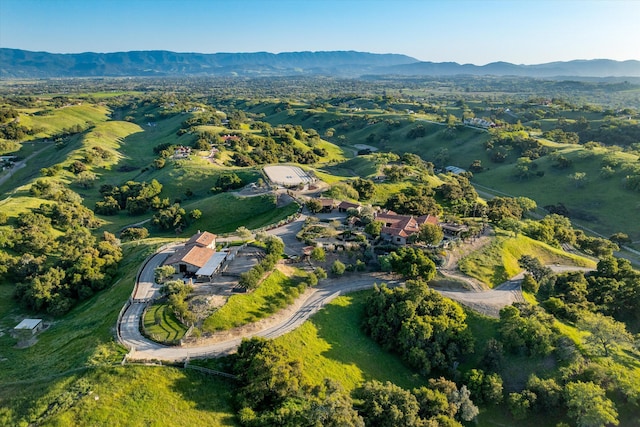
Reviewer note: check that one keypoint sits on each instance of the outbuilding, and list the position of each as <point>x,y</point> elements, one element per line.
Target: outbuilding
<point>32,326</point>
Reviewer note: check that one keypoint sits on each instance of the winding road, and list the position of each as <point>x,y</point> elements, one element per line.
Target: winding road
<point>311,302</point>
<point>488,302</point>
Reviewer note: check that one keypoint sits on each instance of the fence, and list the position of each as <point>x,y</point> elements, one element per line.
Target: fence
<point>118,333</point>
<point>208,371</point>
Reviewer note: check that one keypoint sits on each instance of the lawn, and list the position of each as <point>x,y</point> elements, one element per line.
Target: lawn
<point>274,293</point>
<point>161,324</point>
<point>332,345</point>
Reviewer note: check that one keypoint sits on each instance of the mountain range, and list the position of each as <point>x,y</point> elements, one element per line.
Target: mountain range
<point>21,64</point>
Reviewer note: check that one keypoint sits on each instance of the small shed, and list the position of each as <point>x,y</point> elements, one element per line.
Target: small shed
<point>29,325</point>
<point>454,170</point>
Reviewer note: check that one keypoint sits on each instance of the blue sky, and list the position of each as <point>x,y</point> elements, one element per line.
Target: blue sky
<point>464,31</point>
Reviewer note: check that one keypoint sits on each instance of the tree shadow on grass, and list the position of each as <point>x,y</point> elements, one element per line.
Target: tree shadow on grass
<point>208,393</point>
<point>499,275</point>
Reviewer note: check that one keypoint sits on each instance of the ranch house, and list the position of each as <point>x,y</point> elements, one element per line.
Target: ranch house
<point>398,228</point>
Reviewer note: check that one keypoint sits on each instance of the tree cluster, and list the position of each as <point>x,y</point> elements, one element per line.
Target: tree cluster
<point>173,217</point>
<point>526,329</point>
<point>274,249</point>
<point>460,195</point>
<point>134,197</point>
<point>272,391</point>
<point>55,273</point>
<point>412,263</point>
<point>506,139</point>
<point>228,181</point>
<point>414,200</point>
<point>584,401</point>
<point>274,145</point>
<point>613,289</point>
<point>427,330</point>
<point>440,403</point>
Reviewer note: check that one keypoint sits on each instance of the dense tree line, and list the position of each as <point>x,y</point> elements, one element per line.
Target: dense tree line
<point>274,248</point>
<point>272,390</point>
<point>426,329</point>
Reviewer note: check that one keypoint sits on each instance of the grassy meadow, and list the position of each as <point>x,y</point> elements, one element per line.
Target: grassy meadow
<point>332,345</point>
<point>498,261</point>
<point>52,121</point>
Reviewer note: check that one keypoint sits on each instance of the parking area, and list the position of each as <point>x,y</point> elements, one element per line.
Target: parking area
<point>226,282</point>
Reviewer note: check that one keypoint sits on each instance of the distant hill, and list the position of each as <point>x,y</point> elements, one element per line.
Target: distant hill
<point>16,63</point>
<point>577,68</point>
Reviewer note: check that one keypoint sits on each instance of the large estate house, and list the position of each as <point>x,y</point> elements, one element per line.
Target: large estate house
<point>397,228</point>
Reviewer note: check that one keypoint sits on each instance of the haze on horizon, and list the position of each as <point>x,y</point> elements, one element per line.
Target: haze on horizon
<point>463,31</point>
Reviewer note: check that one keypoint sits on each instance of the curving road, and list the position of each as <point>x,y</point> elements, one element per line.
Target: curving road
<point>144,349</point>
<point>488,302</point>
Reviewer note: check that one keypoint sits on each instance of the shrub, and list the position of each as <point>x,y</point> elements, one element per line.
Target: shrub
<point>338,268</point>
<point>134,233</point>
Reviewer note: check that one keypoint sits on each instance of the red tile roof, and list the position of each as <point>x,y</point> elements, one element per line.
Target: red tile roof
<point>403,225</point>
<point>348,205</point>
<point>201,239</point>
<point>194,255</point>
